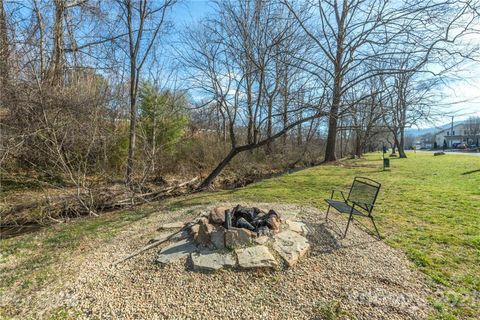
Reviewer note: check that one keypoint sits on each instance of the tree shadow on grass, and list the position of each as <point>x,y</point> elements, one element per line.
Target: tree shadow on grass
<point>470,172</point>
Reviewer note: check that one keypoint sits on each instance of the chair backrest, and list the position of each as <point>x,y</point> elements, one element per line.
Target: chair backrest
<point>364,192</point>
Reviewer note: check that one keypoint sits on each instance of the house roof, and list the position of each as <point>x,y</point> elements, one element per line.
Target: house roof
<point>450,128</point>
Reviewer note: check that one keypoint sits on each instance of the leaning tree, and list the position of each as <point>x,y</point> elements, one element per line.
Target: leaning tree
<point>235,60</point>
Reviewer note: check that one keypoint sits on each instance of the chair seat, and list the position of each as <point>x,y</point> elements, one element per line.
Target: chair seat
<point>343,207</point>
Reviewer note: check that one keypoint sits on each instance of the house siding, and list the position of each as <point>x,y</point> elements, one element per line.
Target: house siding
<point>457,135</point>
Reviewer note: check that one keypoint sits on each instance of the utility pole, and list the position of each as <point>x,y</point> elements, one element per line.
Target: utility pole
<point>451,130</point>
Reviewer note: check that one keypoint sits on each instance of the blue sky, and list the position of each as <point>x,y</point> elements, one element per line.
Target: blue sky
<point>462,97</point>
<point>187,11</point>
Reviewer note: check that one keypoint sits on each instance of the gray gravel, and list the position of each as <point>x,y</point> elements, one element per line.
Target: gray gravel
<point>367,278</point>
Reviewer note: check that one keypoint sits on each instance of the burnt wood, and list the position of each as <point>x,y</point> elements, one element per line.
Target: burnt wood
<point>252,219</point>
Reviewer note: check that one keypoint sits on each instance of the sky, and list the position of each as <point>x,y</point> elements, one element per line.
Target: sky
<point>462,98</point>
<point>188,11</point>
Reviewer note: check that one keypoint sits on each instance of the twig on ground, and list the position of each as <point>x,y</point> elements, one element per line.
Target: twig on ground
<point>152,245</point>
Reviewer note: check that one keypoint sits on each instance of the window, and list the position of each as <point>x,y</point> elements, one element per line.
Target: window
<point>448,133</point>
<point>453,133</point>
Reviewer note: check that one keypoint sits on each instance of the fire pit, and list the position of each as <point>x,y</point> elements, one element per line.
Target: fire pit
<point>234,227</point>
<point>252,233</point>
<point>253,219</point>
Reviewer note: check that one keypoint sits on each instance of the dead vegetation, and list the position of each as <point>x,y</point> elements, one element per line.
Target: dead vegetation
<point>58,205</point>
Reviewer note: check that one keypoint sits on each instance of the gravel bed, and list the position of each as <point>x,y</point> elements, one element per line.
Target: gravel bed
<point>364,277</point>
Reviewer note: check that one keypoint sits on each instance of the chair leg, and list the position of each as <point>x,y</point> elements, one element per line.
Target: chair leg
<point>348,223</point>
<point>378,233</point>
<point>326,216</point>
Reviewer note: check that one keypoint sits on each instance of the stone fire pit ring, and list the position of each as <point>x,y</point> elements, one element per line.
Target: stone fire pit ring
<point>242,238</point>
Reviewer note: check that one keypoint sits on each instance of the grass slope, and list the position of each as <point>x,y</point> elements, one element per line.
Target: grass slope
<point>429,207</point>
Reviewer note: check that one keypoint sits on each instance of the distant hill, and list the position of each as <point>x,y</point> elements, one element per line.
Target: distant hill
<point>416,132</point>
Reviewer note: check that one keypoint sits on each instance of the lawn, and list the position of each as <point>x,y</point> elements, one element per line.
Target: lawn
<point>428,207</point>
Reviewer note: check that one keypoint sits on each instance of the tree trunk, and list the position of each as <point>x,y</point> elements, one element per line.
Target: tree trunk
<point>4,52</point>
<point>394,147</point>
<point>397,142</point>
<point>358,144</point>
<point>299,135</point>
<point>41,40</point>
<point>222,135</point>
<point>57,63</point>
<point>133,123</point>
<point>269,126</point>
<point>285,111</point>
<point>337,88</point>
<point>332,127</point>
<point>154,141</point>
<point>208,181</point>
<point>401,143</point>
<point>250,147</point>
<point>134,76</point>
<point>250,126</point>
<point>341,139</point>
<point>224,128</point>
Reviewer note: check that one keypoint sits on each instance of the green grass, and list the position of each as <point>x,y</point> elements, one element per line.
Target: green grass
<point>19,182</point>
<point>332,311</point>
<point>428,207</point>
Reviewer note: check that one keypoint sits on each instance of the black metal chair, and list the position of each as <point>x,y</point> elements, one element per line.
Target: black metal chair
<point>359,202</point>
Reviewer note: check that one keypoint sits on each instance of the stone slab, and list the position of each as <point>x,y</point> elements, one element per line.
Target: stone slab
<point>262,239</point>
<point>298,227</point>
<point>212,261</point>
<point>255,257</point>
<point>164,235</point>
<point>203,237</point>
<point>238,237</point>
<point>176,251</point>
<point>217,215</point>
<point>218,238</point>
<point>291,246</point>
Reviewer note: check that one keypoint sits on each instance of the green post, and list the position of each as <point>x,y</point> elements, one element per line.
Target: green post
<point>386,163</point>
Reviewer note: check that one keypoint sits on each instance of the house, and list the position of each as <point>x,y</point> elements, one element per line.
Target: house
<point>424,141</point>
<point>459,133</point>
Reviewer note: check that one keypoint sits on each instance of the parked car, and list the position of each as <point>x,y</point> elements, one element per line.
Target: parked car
<point>461,146</point>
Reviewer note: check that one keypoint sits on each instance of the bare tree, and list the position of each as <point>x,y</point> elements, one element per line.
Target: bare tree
<point>144,21</point>
<point>410,99</point>
<point>343,28</point>
<point>365,115</point>
<point>351,35</point>
<point>4,51</point>
<point>472,126</point>
<point>238,68</point>
<point>57,63</point>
